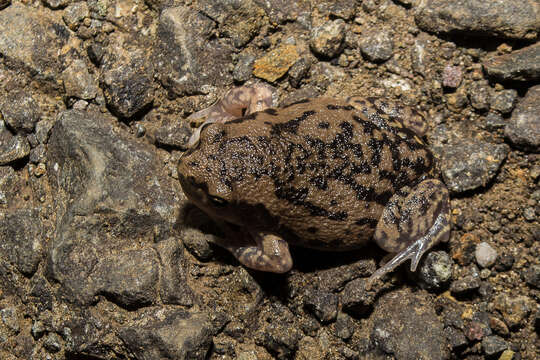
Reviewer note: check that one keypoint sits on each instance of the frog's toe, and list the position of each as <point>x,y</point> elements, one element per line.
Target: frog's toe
<point>412,224</point>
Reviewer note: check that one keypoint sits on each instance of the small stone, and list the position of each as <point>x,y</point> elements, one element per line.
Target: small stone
<point>480,96</point>
<point>4,4</point>
<point>9,318</point>
<point>344,326</point>
<point>298,71</point>
<point>504,101</point>
<point>38,329</point>
<point>244,67</point>
<point>436,269</point>
<point>52,343</point>
<point>519,65</point>
<point>514,309</point>
<point>75,14</point>
<point>470,165</point>
<point>532,275</point>
<point>523,129</point>
<point>494,121</point>
<point>455,337</point>
<point>175,136</point>
<point>355,299</point>
<point>377,46</point>
<point>457,100</point>
<point>507,355</point>
<point>498,326</point>
<point>95,53</point>
<point>20,111</point>
<point>323,305</point>
<point>197,243</point>
<point>452,76</point>
<point>12,149</point>
<point>56,4</point>
<point>78,82</point>
<point>485,255</point>
<point>465,285</point>
<point>529,214</point>
<point>140,130</point>
<point>327,40</point>
<point>493,345</point>
<point>276,63</point>
<point>504,262</point>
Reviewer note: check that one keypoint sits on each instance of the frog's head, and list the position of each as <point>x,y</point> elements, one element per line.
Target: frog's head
<point>199,172</point>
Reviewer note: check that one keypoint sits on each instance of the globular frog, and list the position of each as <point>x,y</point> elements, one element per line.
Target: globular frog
<point>323,174</point>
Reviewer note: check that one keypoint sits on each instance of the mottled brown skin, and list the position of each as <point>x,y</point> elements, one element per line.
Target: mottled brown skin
<point>323,174</point>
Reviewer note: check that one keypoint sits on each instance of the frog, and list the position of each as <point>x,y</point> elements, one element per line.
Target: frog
<point>322,173</point>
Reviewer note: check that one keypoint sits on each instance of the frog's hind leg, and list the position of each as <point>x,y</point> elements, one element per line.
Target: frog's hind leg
<point>270,253</point>
<point>236,103</point>
<point>412,223</point>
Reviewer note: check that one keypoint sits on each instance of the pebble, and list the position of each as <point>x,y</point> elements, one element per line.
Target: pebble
<point>344,327</point>
<point>465,285</point>
<point>9,318</point>
<point>78,82</point>
<point>244,67</point>
<point>523,128</point>
<point>504,101</point>
<point>480,97</point>
<point>377,46</point>
<point>323,305</point>
<point>452,76</point>
<point>494,121</point>
<point>493,345</point>
<point>485,255</point>
<point>355,299</point>
<point>327,40</point>
<point>519,65</point>
<point>20,111</point>
<point>276,63</point>
<point>469,165</point>
<point>514,308</point>
<point>532,275</point>
<point>455,337</point>
<point>435,270</point>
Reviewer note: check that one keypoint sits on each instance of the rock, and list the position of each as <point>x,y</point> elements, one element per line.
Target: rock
<point>129,278</point>
<point>53,343</point>
<point>173,334</point>
<point>8,184</point>
<point>405,325</point>
<point>197,243</point>
<point>244,67</point>
<point>504,101</point>
<point>75,14</point>
<point>493,345</point>
<point>465,285</point>
<point>506,19</point>
<point>519,65</point>
<point>56,4</point>
<point>377,46</point>
<point>323,305</point>
<point>20,111</point>
<point>355,299</point>
<point>189,59</point>
<point>111,192</point>
<point>281,11</point>
<point>35,39</point>
<point>127,79</point>
<point>344,9</point>
<point>456,338</point>
<point>276,63</point>
<point>435,270</point>
<point>12,148</point>
<point>239,20</point>
<point>470,165</point>
<point>78,82</point>
<point>514,308</point>
<point>174,287</point>
<point>336,278</point>
<point>507,355</point>
<point>532,275</point>
<point>175,136</point>
<point>10,319</point>
<point>21,239</point>
<point>523,129</point>
<point>452,76</point>
<point>494,121</point>
<point>4,4</point>
<point>280,339</point>
<point>298,72</point>
<point>480,97</point>
<point>485,255</point>
<point>327,39</point>
<point>344,326</point>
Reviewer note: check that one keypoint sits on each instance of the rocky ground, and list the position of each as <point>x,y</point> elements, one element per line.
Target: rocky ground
<point>103,258</point>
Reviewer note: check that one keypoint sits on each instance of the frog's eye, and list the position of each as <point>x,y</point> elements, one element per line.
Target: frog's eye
<point>217,201</point>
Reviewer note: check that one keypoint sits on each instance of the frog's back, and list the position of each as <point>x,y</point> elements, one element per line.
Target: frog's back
<point>324,168</point>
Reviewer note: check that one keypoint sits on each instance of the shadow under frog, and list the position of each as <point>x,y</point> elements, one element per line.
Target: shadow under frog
<point>323,174</point>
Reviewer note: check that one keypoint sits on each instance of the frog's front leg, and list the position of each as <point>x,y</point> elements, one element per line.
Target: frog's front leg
<point>269,253</point>
<point>236,103</point>
<point>412,223</point>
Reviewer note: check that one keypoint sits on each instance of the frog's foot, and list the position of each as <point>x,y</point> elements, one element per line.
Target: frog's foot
<point>412,223</point>
<point>395,113</point>
<point>237,102</point>
<point>270,254</point>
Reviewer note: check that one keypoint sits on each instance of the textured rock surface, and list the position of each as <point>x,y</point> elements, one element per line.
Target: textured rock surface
<point>519,65</point>
<point>523,129</point>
